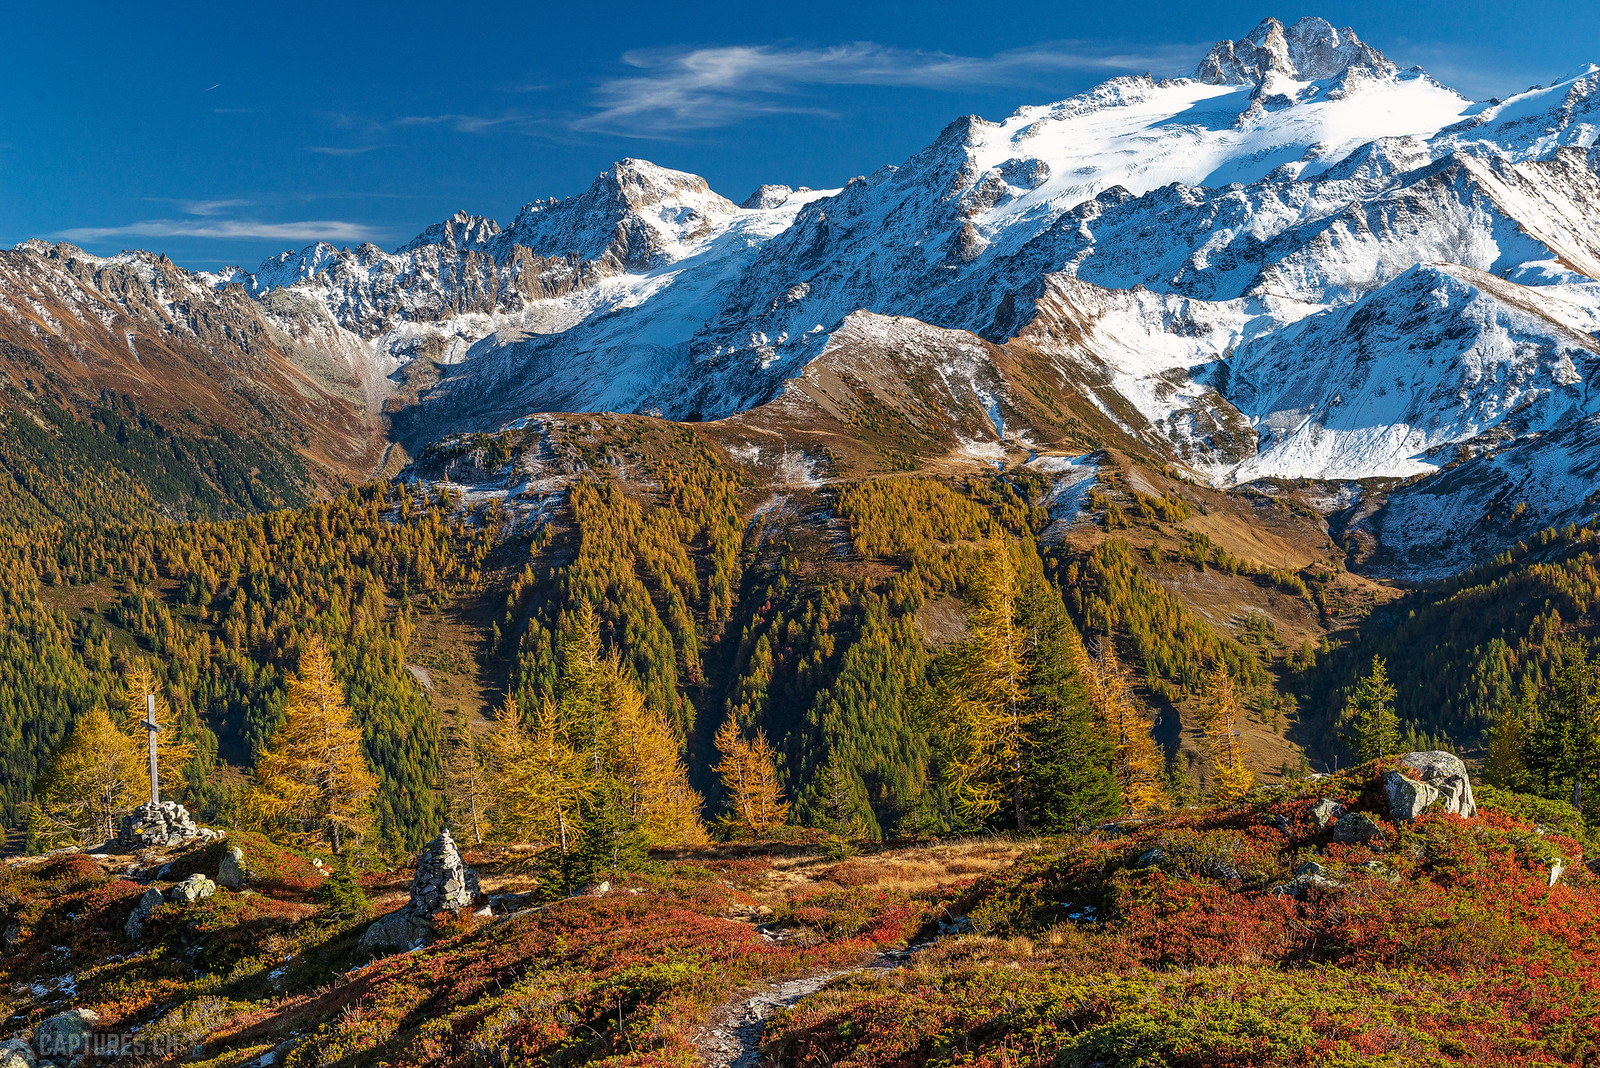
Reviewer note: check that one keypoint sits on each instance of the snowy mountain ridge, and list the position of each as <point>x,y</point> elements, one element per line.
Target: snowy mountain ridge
<point>1303,262</point>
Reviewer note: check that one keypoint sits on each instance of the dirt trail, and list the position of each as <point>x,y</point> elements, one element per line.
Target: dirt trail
<point>733,1032</point>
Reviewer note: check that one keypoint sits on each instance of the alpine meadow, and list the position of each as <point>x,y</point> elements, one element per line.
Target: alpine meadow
<point>1118,587</point>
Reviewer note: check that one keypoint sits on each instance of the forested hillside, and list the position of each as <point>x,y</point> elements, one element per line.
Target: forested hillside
<point>820,614</point>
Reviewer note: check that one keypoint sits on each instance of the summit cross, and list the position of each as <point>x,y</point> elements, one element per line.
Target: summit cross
<point>150,725</point>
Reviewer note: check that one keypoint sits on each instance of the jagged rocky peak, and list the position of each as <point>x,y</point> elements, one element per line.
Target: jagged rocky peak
<point>635,213</point>
<point>1308,51</point>
<point>770,196</point>
<point>461,230</point>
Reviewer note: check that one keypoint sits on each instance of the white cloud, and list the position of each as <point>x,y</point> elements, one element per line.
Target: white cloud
<point>333,230</point>
<point>678,90</point>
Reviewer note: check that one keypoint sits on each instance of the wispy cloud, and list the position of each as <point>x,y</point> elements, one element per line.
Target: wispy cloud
<point>344,150</point>
<point>679,90</point>
<point>336,230</point>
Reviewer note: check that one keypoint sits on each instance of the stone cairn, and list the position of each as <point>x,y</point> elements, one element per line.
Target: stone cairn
<point>442,884</point>
<point>153,826</point>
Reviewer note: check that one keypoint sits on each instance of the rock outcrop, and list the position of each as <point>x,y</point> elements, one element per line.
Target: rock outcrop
<point>1446,774</point>
<point>442,884</point>
<point>15,1053</point>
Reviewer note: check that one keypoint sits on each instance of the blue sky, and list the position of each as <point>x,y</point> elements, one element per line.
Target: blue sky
<point>225,133</point>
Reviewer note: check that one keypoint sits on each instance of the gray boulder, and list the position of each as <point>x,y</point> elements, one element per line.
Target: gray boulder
<point>230,872</point>
<point>151,901</point>
<point>15,1053</point>
<point>1325,813</point>
<point>397,931</point>
<point>193,889</point>
<point>1407,798</point>
<point>11,937</point>
<point>1356,827</point>
<point>64,1036</point>
<point>1446,773</point>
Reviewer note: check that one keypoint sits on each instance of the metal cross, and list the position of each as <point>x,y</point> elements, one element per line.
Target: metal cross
<point>150,725</point>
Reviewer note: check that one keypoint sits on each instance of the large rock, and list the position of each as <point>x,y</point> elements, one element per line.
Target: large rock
<point>1407,798</point>
<point>152,826</point>
<point>64,1036</point>
<point>151,901</point>
<point>192,889</point>
<point>230,872</point>
<point>442,883</point>
<point>1446,773</point>
<point>396,931</point>
<point>15,1053</point>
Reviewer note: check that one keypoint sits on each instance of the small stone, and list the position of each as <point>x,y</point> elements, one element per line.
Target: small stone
<point>1326,812</point>
<point>193,889</point>
<point>64,1036</point>
<point>230,872</point>
<point>15,1053</point>
<point>11,937</point>
<point>1356,827</point>
<point>1150,858</point>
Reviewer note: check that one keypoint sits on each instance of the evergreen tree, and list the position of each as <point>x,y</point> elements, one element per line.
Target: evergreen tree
<point>1136,763</point>
<point>312,779</point>
<point>1219,713</point>
<point>466,785</point>
<point>1511,740</point>
<point>341,894</point>
<point>173,754</point>
<point>1569,733</point>
<point>96,777</point>
<point>1374,729</point>
<point>749,774</point>
<point>1068,757</point>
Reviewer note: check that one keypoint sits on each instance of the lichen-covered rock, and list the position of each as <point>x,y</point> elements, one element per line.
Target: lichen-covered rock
<point>1325,813</point>
<point>15,1053</point>
<point>153,826</point>
<point>1356,827</point>
<point>1407,798</point>
<point>64,1036</point>
<point>1447,774</point>
<point>193,889</point>
<point>151,901</point>
<point>230,872</point>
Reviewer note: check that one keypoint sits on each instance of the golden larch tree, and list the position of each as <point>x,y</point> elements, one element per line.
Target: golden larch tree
<point>643,756</point>
<point>540,782</point>
<point>1219,714</point>
<point>749,773</point>
<point>312,779</point>
<point>92,780</point>
<point>173,754</point>
<point>1137,762</point>
<point>980,708</point>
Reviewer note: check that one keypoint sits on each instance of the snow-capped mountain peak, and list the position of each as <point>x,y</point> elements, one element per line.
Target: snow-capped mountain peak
<point>1310,50</point>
